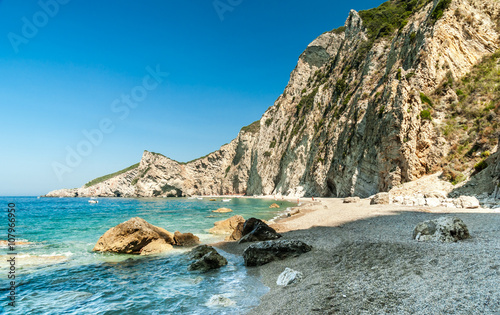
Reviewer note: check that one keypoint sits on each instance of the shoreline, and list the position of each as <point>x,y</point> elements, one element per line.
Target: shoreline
<point>362,248</point>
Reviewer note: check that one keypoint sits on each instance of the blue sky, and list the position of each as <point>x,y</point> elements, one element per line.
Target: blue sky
<point>64,71</point>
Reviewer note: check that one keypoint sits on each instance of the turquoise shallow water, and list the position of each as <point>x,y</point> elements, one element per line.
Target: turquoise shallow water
<point>59,273</point>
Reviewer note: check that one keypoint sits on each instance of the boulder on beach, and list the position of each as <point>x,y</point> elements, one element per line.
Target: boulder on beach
<point>207,258</point>
<point>255,230</point>
<point>237,232</point>
<point>186,239</point>
<point>222,210</point>
<point>351,200</point>
<point>226,226</point>
<point>264,252</point>
<point>380,199</point>
<point>467,202</point>
<point>444,229</point>
<point>132,236</point>
<point>274,205</point>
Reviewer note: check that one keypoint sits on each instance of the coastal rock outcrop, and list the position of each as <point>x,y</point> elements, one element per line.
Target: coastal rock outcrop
<point>207,258</point>
<point>132,236</point>
<point>226,226</point>
<point>255,230</point>
<point>444,229</point>
<point>264,252</point>
<point>369,106</point>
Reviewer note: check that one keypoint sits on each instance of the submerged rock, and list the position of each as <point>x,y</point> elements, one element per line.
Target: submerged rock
<point>220,300</point>
<point>264,252</point>
<point>207,258</point>
<point>380,199</point>
<point>255,230</point>
<point>226,226</point>
<point>186,239</point>
<point>274,205</point>
<point>200,251</point>
<point>289,276</point>
<point>132,236</point>
<point>444,229</point>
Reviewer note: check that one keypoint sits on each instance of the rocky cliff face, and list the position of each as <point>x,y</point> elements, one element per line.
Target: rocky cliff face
<point>354,119</point>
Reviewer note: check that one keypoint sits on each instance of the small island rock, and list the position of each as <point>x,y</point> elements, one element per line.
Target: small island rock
<point>222,210</point>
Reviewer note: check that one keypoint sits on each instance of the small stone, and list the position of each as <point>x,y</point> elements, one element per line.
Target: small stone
<point>351,200</point>
<point>289,276</point>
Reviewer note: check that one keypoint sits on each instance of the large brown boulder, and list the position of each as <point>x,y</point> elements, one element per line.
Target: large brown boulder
<point>255,230</point>
<point>237,232</point>
<point>226,226</point>
<point>132,236</point>
<point>156,247</point>
<point>186,239</point>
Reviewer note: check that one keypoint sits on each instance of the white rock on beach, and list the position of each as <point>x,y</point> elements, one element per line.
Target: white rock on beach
<point>289,276</point>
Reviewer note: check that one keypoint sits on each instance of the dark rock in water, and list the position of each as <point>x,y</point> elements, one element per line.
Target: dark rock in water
<point>132,236</point>
<point>255,230</point>
<point>186,239</point>
<point>207,258</point>
<point>237,232</point>
<point>444,229</point>
<point>200,251</point>
<point>265,252</point>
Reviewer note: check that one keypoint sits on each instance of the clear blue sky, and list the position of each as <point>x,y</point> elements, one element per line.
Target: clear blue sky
<point>60,74</point>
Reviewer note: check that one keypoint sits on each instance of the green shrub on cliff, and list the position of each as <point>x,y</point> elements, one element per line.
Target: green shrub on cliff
<point>252,128</point>
<point>106,177</point>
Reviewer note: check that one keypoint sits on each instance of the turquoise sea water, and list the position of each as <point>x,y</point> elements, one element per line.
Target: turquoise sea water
<point>59,273</point>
